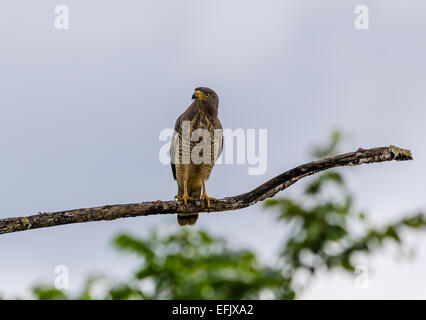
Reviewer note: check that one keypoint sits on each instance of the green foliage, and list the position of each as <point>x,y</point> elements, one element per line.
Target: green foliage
<point>330,149</point>
<point>187,265</point>
<point>324,231</point>
<point>327,231</point>
<point>194,265</point>
<point>45,292</point>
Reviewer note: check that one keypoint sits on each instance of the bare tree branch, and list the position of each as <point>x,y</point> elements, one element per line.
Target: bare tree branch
<point>266,190</point>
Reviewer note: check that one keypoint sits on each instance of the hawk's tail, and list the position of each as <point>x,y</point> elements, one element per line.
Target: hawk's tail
<point>190,219</point>
<point>187,219</point>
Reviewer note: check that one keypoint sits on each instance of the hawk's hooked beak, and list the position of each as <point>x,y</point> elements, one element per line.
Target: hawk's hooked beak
<point>197,95</point>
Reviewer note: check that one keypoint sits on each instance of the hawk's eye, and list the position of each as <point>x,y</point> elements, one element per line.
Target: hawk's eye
<point>207,94</point>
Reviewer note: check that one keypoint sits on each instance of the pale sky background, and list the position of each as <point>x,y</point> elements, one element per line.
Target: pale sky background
<point>81,111</point>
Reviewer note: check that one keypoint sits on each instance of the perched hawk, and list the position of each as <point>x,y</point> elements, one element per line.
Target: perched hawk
<point>195,146</point>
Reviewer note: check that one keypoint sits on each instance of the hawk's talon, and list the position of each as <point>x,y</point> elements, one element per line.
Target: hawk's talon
<point>207,198</point>
<point>185,198</point>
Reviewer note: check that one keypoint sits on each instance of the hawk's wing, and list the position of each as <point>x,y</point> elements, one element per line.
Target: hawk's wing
<point>174,144</point>
<point>221,142</point>
<point>175,139</point>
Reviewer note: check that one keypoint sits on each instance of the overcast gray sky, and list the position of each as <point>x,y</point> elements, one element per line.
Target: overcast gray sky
<point>82,109</point>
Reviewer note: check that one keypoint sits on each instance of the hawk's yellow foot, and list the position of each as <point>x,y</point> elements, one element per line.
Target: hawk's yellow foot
<point>206,197</point>
<point>185,198</point>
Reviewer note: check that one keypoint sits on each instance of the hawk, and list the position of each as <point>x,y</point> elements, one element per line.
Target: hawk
<point>196,144</point>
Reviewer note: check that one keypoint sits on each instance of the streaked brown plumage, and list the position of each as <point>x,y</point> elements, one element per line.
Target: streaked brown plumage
<point>187,169</point>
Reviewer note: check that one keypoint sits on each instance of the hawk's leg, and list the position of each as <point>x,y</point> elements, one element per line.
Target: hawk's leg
<point>205,196</point>
<point>185,196</point>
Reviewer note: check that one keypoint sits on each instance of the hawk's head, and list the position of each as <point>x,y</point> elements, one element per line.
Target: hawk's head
<point>206,95</point>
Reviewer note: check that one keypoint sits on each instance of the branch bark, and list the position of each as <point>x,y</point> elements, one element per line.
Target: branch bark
<point>266,190</point>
